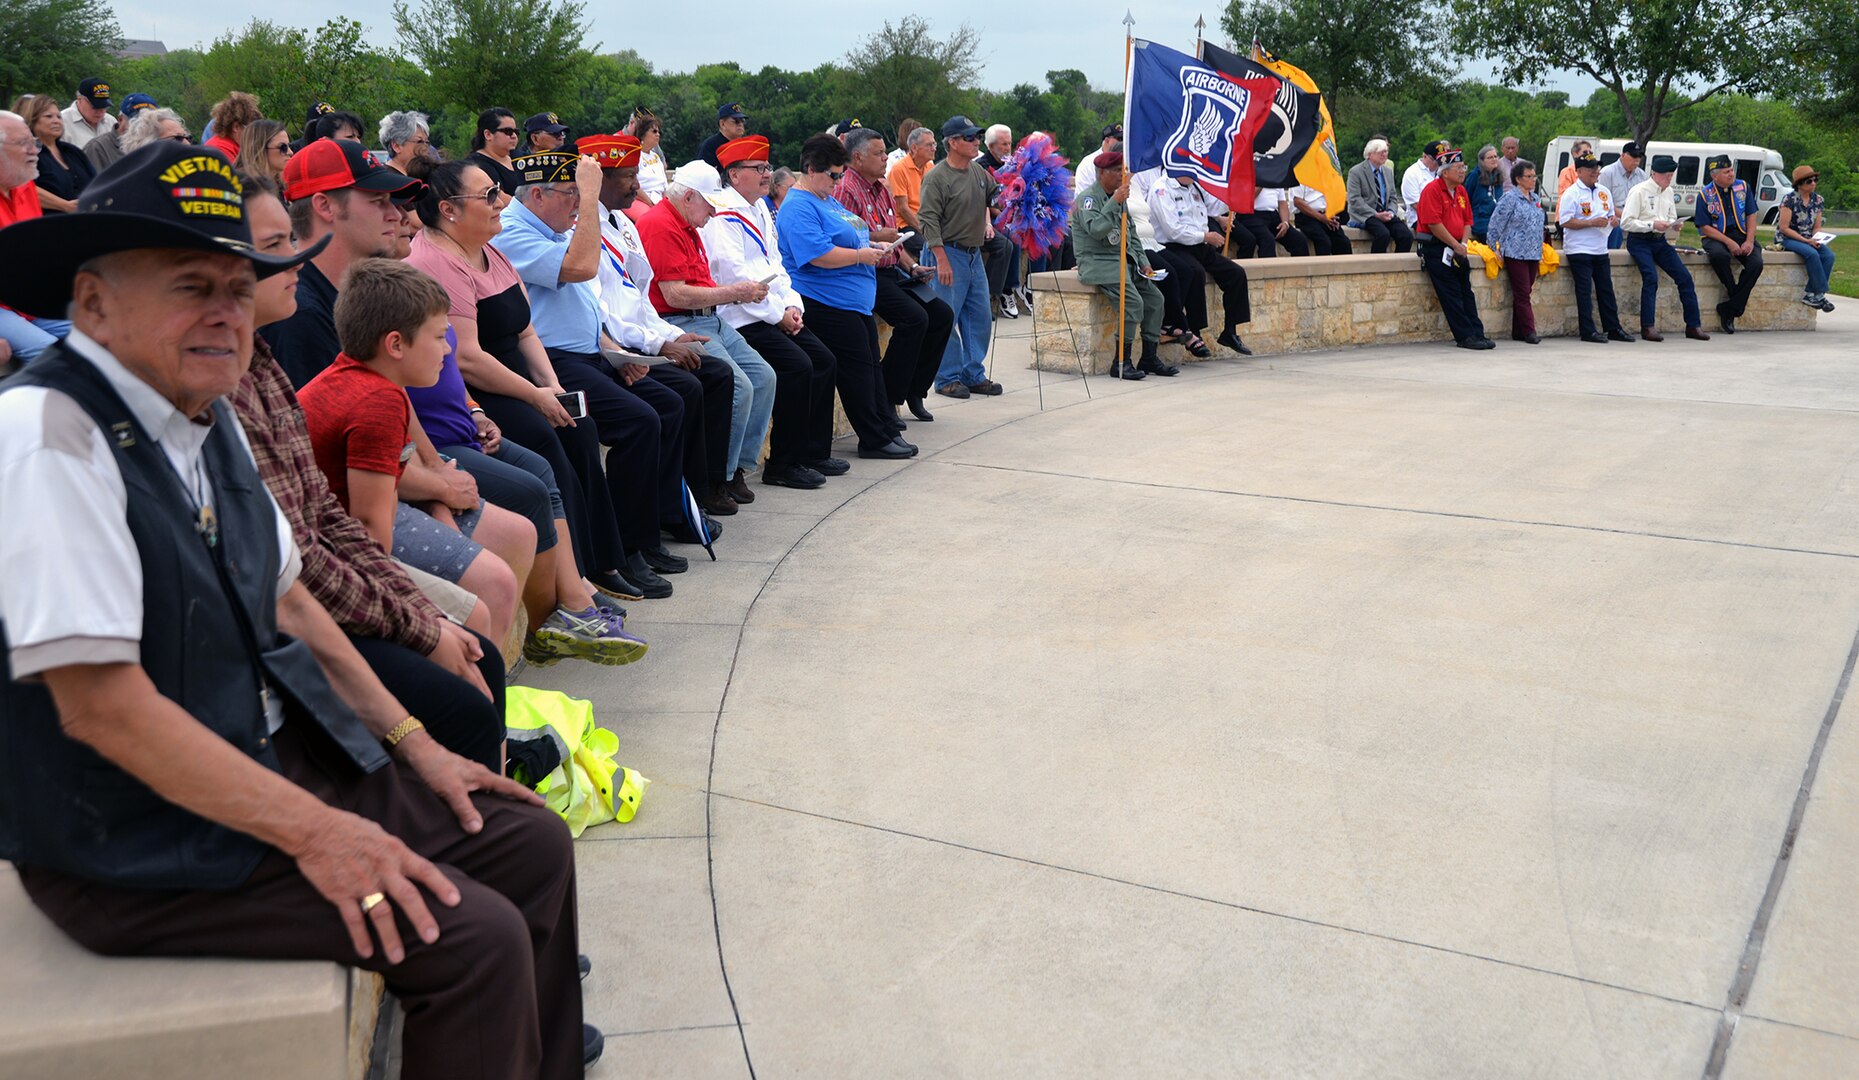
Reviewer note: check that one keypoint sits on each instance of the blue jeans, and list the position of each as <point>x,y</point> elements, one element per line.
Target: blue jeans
<point>1653,254</point>
<point>754,405</point>
<point>964,359</point>
<point>28,337</point>
<point>1819,264</point>
<point>1616,239</point>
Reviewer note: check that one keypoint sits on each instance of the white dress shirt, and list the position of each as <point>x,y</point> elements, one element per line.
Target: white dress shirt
<point>72,591</point>
<point>624,284</point>
<point>742,246</point>
<point>1598,203</point>
<point>1413,182</point>
<point>77,132</point>
<point>1267,200</point>
<point>1086,173</point>
<point>1313,198</point>
<point>1648,203</point>
<point>1180,212</point>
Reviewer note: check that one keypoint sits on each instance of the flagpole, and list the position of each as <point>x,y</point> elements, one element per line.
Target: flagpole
<point>1123,221</point>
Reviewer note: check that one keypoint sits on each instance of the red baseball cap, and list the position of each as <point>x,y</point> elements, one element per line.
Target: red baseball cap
<point>335,164</point>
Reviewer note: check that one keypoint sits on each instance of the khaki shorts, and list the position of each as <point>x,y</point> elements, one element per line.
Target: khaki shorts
<point>456,602</point>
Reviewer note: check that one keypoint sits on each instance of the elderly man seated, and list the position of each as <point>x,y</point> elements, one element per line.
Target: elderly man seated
<point>1099,222</point>
<point>199,765</point>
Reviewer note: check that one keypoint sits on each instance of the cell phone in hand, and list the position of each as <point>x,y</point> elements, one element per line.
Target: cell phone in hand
<point>575,401</point>
<point>769,280</point>
<point>903,236</point>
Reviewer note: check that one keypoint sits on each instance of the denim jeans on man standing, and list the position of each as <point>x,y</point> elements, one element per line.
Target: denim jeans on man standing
<point>1819,262</point>
<point>755,388</point>
<point>964,359</point>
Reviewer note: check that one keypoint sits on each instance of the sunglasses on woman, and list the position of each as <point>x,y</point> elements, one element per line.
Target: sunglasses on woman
<point>489,196</point>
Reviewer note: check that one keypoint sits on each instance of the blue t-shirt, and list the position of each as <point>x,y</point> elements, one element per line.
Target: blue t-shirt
<point>809,227</point>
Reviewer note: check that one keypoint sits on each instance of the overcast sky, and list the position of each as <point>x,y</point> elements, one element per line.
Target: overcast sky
<point>1021,41</point>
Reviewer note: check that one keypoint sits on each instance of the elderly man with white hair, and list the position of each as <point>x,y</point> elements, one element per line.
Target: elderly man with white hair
<point>21,338</point>
<point>405,137</point>
<point>1375,203</point>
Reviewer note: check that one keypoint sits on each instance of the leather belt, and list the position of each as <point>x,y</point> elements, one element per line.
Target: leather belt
<point>697,313</point>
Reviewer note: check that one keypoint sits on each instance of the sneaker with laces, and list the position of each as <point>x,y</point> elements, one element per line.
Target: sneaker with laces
<point>589,635</point>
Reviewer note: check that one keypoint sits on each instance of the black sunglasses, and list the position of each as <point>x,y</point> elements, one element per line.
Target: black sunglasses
<point>503,131</point>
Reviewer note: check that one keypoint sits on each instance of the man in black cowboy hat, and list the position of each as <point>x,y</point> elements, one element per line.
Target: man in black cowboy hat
<point>731,123</point>
<point>196,765</point>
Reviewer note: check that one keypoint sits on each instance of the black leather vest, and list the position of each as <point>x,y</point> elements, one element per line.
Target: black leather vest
<point>210,644</point>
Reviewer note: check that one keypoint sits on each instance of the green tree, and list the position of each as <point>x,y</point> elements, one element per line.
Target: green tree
<point>906,70</point>
<point>1352,48</point>
<point>521,54</point>
<point>1653,58</point>
<point>47,46</point>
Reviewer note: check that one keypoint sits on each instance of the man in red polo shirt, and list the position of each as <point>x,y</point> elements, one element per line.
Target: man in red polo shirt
<point>685,293</point>
<point>21,338</point>
<point>1443,218</point>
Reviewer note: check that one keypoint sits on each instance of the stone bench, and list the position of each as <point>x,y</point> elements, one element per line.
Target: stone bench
<point>1305,304</point>
<point>65,1011</point>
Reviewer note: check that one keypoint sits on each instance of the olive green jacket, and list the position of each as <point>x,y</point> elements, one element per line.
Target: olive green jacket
<point>1096,223</point>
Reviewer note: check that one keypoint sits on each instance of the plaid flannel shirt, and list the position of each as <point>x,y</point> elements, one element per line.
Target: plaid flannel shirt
<point>873,202</point>
<point>365,591</point>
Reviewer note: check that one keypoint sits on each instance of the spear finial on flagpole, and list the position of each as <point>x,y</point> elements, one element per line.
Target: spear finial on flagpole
<point>1200,24</point>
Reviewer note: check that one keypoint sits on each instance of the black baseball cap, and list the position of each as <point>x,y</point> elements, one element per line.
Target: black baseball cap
<point>164,195</point>
<point>1433,148</point>
<point>1111,131</point>
<point>1587,160</point>
<point>959,125</point>
<point>846,127</point>
<point>96,91</point>
<point>334,164</point>
<point>316,111</point>
<point>1635,149</point>
<point>731,111</point>
<point>545,121</point>
<point>545,167</point>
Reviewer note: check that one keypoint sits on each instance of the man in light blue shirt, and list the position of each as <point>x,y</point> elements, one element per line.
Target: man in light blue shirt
<point>640,420</point>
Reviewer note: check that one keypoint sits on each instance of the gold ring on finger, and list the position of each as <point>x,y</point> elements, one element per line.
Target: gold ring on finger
<point>368,902</point>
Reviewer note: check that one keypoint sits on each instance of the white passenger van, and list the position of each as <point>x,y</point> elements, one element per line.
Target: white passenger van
<point>1757,166</point>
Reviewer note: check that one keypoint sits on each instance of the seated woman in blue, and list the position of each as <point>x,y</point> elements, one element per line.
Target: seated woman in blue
<point>832,261</point>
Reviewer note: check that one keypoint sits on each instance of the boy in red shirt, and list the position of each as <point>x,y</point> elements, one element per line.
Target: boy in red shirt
<point>391,320</point>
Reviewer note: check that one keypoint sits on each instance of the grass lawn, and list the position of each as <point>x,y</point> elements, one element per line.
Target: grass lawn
<point>1846,266</point>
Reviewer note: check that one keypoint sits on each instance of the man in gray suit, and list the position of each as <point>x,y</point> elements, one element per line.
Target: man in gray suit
<point>1375,203</point>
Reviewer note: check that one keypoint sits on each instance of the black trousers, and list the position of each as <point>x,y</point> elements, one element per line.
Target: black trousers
<point>1736,289</point>
<point>1227,274</point>
<point>998,258</point>
<point>574,454</point>
<point>1392,231</point>
<point>805,368</point>
<point>1262,228</point>
<point>1322,239</point>
<point>460,718</point>
<point>639,449</point>
<point>1184,290</point>
<point>497,996</point>
<point>1594,280</point>
<point>1453,285</point>
<point>709,394</point>
<point>853,337</point>
<point>919,331</point>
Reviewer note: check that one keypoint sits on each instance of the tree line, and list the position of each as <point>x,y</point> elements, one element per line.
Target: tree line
<point>1384,72</point>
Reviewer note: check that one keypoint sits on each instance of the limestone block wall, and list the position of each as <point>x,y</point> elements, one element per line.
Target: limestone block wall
<point>1304,304</point>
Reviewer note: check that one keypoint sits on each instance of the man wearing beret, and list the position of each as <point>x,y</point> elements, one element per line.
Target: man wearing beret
<point>197,764</point>
<point>88,116</point>
<point>731,123</point>
<point>1587,213</point>
<point>1725,217</point>
<point>1650,218</point>
<point>1112,259</point>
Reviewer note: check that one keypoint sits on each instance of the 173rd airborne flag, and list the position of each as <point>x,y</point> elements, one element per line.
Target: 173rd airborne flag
<point>1181,114</point>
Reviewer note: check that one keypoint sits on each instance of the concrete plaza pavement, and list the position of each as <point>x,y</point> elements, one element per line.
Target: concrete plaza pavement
<point>1390,712</point>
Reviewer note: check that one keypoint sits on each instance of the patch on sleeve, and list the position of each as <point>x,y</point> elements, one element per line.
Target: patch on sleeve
<point>1088,200</point>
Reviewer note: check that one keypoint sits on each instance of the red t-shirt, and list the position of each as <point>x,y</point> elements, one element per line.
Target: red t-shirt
<point>358,420</point>
<point>225,146</point>
<point>1453,211</point>
<point>676,253</point>
<point>19,204</point>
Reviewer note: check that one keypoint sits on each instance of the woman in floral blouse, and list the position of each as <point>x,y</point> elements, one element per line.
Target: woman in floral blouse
<point>1516,231</point>
<point>1796,223</point>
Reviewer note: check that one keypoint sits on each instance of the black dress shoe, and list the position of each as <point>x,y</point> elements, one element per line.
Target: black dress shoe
<point>915,405</point>
<point>1529,339</point>
<point>1620,335</point>
<point>1231,341</point>
<point>1595,339</point>
<point>792,476</point>
<point>592,1043</point>
<point>654,587</point>
<point>613,583</point>
<point>1126,371</point>
<point>830,466</point>
<point>898,423</point>
<point>1154,366</point>
<point>584,965</point>
<point>890,451</point>
<point>664,562</point>
<point>1476,344</point>
<point>682,534</point>
<point>910,446</point>
<point>1728,321</point>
